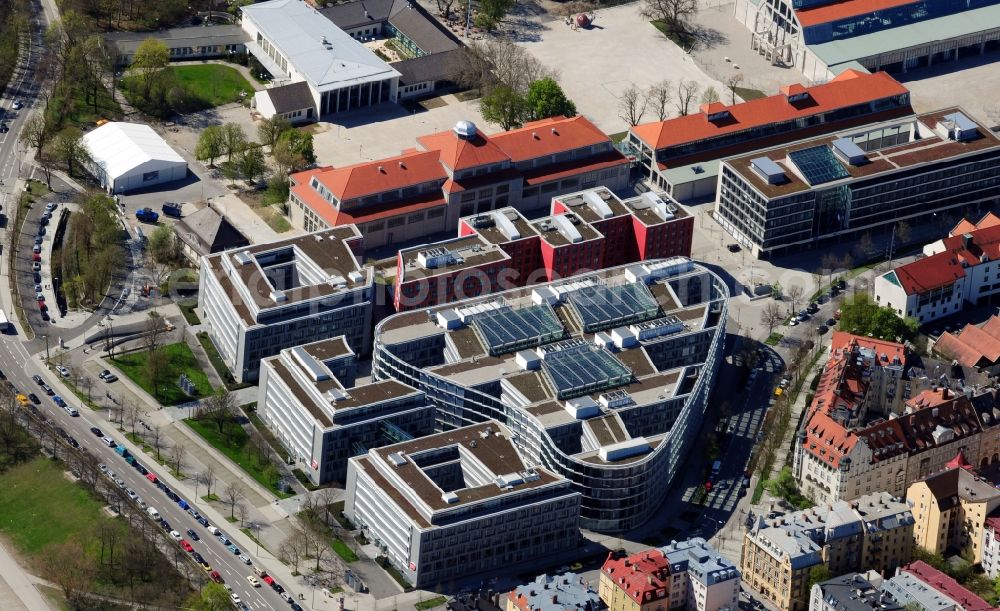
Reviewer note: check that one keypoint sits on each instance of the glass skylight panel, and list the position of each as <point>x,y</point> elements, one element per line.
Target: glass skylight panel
<point>818,165</point>
<point>583,371</point>
<point>602,307</point>
<point>511,330</point>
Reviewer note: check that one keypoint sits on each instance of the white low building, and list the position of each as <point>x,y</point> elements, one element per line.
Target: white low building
<point>961,268</point>
<point>296,43</point>
<point>130,156</point>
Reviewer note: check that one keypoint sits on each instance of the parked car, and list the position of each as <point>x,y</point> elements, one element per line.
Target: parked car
<point>34,398</point>
<point>194,535</point>
<point>63,371</point>
<point>38,379</point>
<point>253,581</point>
<point>147,215</point>
<point>97,431</point>
<point>73,442</point>
<point>172,209</point>
<point>17,105</point>
<point>58,401</point>
<point>36,266</point>
<point>186,546</point>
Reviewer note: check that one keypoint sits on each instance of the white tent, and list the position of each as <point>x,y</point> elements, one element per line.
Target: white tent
<point>130,156</point>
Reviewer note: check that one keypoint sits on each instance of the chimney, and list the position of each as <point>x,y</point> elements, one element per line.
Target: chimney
<point>944,392</point>
<point>967,240</point>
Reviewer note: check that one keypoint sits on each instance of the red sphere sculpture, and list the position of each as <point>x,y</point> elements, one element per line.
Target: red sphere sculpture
<point>582,20</point>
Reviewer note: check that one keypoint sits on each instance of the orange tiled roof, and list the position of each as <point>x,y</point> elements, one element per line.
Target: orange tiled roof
<point>461,153</point>
<point>847,89</point>
<point>846,8</point>
<point>387,174</point>
<point>548,137</point>
<point>965,225</point>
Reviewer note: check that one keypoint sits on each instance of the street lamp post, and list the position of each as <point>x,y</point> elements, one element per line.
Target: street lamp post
<point>46,349</point>
<point>197,477</point>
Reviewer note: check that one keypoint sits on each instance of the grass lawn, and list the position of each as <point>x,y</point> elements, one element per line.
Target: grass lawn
<point>85,113</point>
<point>749,94</point>
<point>181,360</point>
<point>346,554</point>
<point>38,506</point>
<point>430,603</point>
<point>237,448</point>
<point>212,84</point>
<point>684,40</point>
<point>774,339</point>
<point>220,366</point>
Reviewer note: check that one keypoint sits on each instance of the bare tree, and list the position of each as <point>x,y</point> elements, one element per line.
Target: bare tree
<point>326,498</point>
<point>710,96</point>
<point>207,478</point>
<point>177,454</point>
<point>830,263</point>
<point>315,544</point>
<point>496,61</point>
<point>292,549</point>
<point>156,440</point>
<point>232,495</point>
<point>69,566</point>
<point>771,316</point>
<point>632,106</point>
<point>242,513</point>
<point>154,330</point>
<point>733,83</point>
<point>903,232</point>
<point>132,414</point>
<point>658,98</point>
<point>865,244</point>
<point>218,409</point>
<point>687,91</point>
<point>672,13</point>
<point>794,293</point>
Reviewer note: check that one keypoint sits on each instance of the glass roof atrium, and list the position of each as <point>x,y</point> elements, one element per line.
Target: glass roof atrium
<point>602,307</point>
<point>508,330</point>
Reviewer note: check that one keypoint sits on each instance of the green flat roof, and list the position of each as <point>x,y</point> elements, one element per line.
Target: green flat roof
<point>912,35</point>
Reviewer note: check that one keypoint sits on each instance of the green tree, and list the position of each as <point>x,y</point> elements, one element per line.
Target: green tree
<point>162,244</point>
<point>504,107</point>
<point>547,99</point>
<point>151,58</point>
<point>250,162</point>
<point>211,144</point>
<point>859,314</point>
<point>819,574</point>
<point>785,486</point>
<point>294,151</point>
<point>233,139</point>
<point>492,12</point>
<point>69,147</point>
<point>213,597</point>
<point>271,129</point>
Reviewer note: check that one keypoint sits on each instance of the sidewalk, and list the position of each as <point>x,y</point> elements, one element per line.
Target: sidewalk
<point>16,589</point>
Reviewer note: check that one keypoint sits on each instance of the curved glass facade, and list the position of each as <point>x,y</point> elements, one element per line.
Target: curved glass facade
<point>616,495</point>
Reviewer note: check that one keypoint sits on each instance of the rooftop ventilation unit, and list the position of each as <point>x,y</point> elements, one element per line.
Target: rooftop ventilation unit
<point>658,327</point>
<point>959,127</point>
<point>356,276</point>
<point>567,229</point>
<point>278,296</point>
<point>582,408</point>
<point>509,480</point>
<point>305,360</point>
<point>243,257</point>
<point>768,170</point>
<point>598,205</point>
<point>337,394</point>
<point>397,459</point>
<point>624,449</point>
<point>449,319</point>
<point>615,398</point>
<point>433,258</point>
<point>506,226</point>
<point>848,152</point>
<point>337,281</point>
<point>528,360</point>
<point>449,497</point>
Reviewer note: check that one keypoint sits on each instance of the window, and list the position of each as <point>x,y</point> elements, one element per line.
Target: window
<point>148,176</point>
<point>397,222</point>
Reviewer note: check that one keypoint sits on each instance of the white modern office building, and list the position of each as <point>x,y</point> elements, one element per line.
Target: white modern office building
<point>308,398</point>
<point>444,507</point>
<point>258,300</point>
<point>295,42</point>
<point>603,378</point>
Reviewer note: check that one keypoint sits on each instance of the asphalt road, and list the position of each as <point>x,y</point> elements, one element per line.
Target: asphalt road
<point>19,367</point>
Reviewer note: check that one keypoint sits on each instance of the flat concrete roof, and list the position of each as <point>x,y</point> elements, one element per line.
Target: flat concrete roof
<point>908,36</point>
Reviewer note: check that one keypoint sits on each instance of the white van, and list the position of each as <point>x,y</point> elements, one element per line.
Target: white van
<point>153,513</point>
<point>215,531</point>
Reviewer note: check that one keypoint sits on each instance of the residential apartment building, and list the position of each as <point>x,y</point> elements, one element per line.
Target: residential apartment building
<point>950,509</point>
<point>850,592</point>
<point>308,398</point>
<point>683,575</point>
<point>922,585</point>
<point>681,155</point>
<point>864,433</point>
<point>565,592</point>
<point>865,178</point>
<point>991,547</point>
<point>499,250</point>
<point>822,38</point>
<point>873,532</point>
<point>265,297</point>
<point>603,378</point>
<point>974,346</point>
<point>460,503</point>
<point>963,268</point>
<point>458,173</point>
